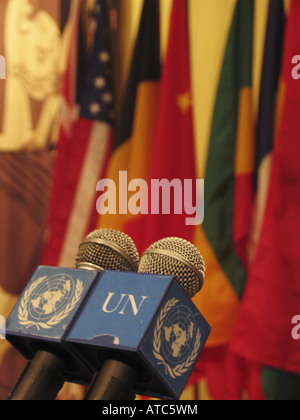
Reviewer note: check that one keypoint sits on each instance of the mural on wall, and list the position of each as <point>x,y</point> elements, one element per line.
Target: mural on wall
<point>34,37</point>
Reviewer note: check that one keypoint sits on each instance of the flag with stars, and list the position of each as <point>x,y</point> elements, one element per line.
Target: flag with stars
<point>82,151</point>
<point>173,152</point>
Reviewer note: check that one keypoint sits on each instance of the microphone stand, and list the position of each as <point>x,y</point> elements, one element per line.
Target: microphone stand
<point>115,382</point>
<point>41,379</point>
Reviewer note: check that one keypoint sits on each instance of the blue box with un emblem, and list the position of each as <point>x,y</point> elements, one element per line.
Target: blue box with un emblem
<point>147,321</point>
<point>44,312</point>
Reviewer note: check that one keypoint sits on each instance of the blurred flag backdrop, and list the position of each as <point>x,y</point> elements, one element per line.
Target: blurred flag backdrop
<point>206,91</point>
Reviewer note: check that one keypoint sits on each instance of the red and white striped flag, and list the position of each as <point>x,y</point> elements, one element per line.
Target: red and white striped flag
<point>82,149</point>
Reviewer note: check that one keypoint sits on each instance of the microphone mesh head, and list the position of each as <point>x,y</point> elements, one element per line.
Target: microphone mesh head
<point>175,257</point>
<point>108,249</point>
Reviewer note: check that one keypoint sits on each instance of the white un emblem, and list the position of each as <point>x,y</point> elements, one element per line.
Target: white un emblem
<point>176,341</point>
<point>48,301</point>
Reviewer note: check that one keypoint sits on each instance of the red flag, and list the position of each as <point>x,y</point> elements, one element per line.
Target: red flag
<point>173,153</point>
<point>272,296</point>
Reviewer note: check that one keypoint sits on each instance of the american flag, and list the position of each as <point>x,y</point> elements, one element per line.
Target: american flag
<point>82,149</point>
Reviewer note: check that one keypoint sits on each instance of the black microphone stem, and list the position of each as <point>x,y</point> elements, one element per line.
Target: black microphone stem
<point>41,379</point>
<point>115,382</point>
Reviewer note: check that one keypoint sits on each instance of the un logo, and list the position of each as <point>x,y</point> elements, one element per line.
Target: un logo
<point>176,340</point>
<point>48,301</point>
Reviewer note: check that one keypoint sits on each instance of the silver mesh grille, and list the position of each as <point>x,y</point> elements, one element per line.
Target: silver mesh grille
<point>176,257</point>
<point>108,249</point>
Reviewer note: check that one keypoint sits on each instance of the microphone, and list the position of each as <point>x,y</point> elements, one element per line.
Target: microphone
<point>176,257</point>
<point>108,249</point>
<point>41,319</point>
<point>141,331</point>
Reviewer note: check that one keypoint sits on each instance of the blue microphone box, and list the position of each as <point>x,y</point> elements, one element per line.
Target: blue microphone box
<point>147,321</point>
<point>42,317</point>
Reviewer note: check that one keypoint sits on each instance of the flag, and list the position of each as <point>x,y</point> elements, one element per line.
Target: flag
<point>229,170</point>
<point>269,115</point>
<point>172,156</point>
<point>271,300</point>
<point>270,104</point>
<point>33,38</point>
<point>229,198</point>
<point>82,149</point>
<point>135,131</point>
